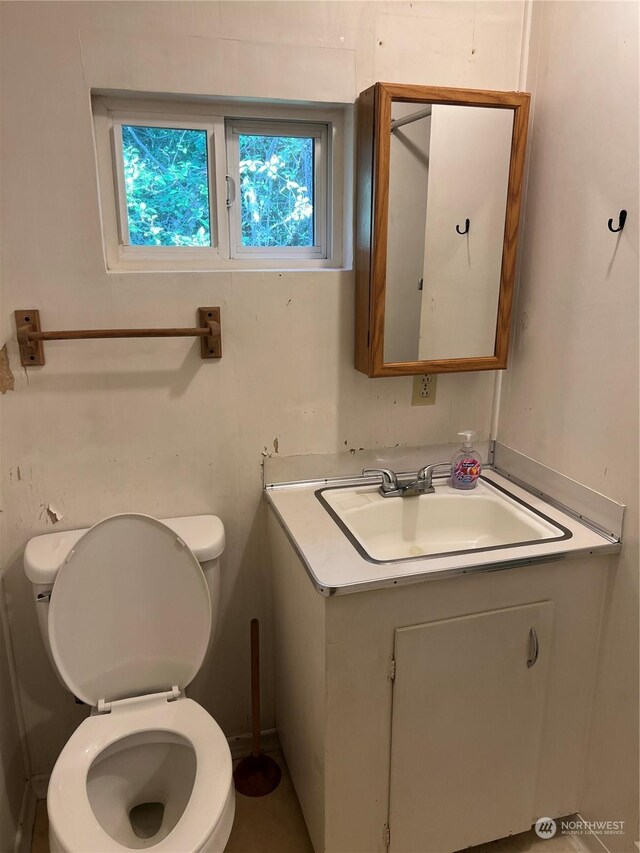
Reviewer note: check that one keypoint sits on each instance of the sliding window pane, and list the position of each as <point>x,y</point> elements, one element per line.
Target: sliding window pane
<point>276,190</point>
<point>166,180</point>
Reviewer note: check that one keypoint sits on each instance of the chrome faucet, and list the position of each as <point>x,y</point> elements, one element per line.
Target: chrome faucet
<point>390,487</point>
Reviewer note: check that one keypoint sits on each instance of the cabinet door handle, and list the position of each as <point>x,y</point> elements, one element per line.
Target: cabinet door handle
<point>534,647</point>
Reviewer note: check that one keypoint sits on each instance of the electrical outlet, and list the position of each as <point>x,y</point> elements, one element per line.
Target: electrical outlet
<point>424,390</point>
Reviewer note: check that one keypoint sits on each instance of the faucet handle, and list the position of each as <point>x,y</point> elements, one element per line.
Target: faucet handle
<point>426,473</point>
<point>389,478</point>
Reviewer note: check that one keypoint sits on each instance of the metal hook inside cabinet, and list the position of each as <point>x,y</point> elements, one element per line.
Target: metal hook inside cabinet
<point>622,218</point>
<point>466,228</point>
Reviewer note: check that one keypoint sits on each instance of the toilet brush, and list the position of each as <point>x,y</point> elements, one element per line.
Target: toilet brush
<point>257,774</point>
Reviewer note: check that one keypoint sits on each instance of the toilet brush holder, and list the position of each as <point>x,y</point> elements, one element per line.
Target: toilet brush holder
<point>258,774</point>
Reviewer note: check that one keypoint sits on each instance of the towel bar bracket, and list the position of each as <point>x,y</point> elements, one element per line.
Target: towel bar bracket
<point>31,351</point>
<point>31,337</point>
<point>211,346</point>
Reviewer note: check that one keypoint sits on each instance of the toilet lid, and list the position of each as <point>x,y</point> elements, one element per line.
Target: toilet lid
<point>130,612</point>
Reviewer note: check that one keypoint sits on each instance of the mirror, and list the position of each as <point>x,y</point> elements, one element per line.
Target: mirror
<point>448,177</point>
<point>436,252</point>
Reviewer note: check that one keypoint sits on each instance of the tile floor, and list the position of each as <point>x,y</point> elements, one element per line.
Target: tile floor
<point>274,824</point>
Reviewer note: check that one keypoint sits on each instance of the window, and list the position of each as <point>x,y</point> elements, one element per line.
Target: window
<point>279,171</point>
<point>163,182</point>
<point>210,186</point>
<point>165,186</point>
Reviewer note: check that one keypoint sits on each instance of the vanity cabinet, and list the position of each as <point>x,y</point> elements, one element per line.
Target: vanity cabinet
<point>409,716</point>
<point>468,703</point>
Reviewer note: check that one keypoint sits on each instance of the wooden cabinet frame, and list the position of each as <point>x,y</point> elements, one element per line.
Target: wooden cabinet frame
<point>372,177</point>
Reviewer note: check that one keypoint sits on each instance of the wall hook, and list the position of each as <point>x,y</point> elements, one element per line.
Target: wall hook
<point>622,218</point>
<point>466,227</point>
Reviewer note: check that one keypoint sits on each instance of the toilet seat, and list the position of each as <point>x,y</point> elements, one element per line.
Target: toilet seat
<point>210,806</point>
<point>130,612</point>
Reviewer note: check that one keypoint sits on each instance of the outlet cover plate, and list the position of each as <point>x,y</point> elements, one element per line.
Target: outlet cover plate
<point>424,390</point>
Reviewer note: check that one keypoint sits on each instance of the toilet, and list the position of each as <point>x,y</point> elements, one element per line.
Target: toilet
<point>128,611</point>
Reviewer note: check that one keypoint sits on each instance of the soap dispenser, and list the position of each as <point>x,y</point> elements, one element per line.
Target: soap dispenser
<point>465,463</point>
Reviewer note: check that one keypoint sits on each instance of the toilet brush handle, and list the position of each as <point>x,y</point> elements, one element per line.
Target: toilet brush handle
<point>255,687</point>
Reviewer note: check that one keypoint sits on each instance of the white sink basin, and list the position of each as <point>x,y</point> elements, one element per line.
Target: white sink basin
<point>446,522</point>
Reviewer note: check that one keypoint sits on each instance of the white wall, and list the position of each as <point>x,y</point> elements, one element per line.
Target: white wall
<point>146,425</point>
<point>13,773</point>
<point>12,770</point>
<point>571,397</point>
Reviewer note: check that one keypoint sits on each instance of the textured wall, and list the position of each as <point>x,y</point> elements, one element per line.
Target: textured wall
<point>571,398</point>
<point>146,425</point>
<point>12,770</point>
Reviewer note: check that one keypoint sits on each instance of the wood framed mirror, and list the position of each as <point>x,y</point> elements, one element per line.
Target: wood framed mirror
<point>439,184</point>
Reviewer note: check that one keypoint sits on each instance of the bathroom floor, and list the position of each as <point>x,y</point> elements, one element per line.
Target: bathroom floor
<point>274,824</point>
<point>527,842</point>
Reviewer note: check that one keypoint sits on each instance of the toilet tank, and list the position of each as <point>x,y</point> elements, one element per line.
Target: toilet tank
<point>44,555</point>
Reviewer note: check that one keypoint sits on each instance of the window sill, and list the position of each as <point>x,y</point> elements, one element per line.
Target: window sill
<point>230,269</point>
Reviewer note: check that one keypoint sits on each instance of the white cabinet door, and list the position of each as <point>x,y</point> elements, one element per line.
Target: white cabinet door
<point>468,706</point>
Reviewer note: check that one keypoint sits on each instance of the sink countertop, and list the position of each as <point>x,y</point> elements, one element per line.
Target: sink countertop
<point>335,566</point>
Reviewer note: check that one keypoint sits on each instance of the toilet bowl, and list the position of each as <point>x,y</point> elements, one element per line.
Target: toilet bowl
<point>129,623</point>
<point>169,756</point>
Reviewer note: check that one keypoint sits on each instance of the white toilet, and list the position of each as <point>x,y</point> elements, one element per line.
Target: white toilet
<point>128,611</point>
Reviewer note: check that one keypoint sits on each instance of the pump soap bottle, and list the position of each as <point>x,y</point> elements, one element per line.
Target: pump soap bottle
<point>466,463</point>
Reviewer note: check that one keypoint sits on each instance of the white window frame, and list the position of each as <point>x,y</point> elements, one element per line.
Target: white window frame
<point>180,123</point>
<point>321,182</point>
<point>326,124</point>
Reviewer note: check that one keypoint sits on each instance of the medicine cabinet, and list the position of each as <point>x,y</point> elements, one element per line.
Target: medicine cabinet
<point>439,184</point>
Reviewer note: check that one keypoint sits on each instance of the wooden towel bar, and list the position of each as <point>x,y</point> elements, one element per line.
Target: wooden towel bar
<point>31,336</point>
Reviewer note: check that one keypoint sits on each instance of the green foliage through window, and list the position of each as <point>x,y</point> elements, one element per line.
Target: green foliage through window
<point>167,186</point>
<point>276,189</point>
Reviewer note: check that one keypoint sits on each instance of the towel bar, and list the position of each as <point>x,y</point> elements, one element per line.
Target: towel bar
<point>31,336</point>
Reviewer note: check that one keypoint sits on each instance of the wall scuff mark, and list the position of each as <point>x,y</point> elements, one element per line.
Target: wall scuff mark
<point>6,376</point>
